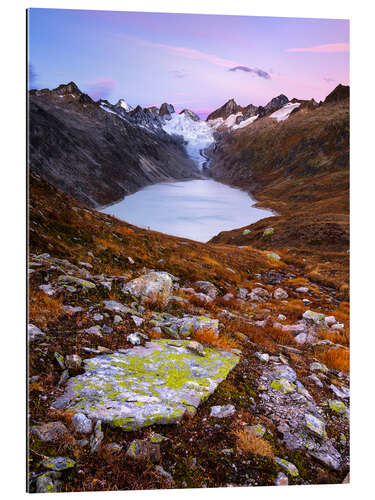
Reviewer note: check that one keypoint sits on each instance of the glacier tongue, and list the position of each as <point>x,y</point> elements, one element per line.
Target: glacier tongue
<point>197,134</point>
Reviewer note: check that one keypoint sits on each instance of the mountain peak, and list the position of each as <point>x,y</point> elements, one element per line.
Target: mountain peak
<point>190,114</point>
<point>166,109</point>
<point>67,88</point>
<point>338,93</point>
<point>229,108</point>
<point>121,103</point>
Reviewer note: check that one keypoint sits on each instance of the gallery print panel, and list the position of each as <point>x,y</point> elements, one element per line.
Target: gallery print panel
<point>188,251</point>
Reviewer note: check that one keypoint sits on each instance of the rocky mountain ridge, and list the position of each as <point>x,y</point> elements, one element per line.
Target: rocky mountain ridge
<point>98,152</point>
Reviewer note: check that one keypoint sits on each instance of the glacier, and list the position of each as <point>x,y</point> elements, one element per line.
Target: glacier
<point>198,135</point>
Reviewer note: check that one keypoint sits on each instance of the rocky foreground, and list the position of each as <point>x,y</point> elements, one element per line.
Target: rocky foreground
<point>159,362</point>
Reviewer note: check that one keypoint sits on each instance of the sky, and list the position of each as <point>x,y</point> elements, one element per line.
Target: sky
<point>192,61</point>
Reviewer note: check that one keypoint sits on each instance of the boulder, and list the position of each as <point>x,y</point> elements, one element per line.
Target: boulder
<point>152,384</point>
<point>52,432</point>
<point>155,287</point>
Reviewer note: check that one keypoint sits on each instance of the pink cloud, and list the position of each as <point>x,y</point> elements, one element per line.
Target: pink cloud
<point>191,54</point>
<point>106,82</point>
<point>323,49</point>
<point>100,88</point>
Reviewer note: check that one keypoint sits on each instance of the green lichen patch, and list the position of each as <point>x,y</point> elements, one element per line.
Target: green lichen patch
<point>154,384</point>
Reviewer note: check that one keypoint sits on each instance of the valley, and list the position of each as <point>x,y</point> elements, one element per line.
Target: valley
<point>157,358</point>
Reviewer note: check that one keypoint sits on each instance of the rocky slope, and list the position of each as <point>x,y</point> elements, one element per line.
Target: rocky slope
<point>300,168</point>
<point>159,362</point>
<point>98,152</point>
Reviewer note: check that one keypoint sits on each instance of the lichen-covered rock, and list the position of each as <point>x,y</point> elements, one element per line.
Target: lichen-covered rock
<point>246,232</point>
<point>79,281</point>
<point>52,432</point>
<point>316,366</point>
<point>315,318</point>
<point>268,231</point>
<point>283,385</point>
<point>337,406</point>
<point>155,287</point>
<point>288,466</point>
<point>34,333</point>
<point>48,483</point>
<point>58,463</point>
<point>146,385</point>
<point>315,426</point>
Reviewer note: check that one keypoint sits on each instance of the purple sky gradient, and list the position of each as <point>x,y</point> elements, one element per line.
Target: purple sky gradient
<point>190,60</point>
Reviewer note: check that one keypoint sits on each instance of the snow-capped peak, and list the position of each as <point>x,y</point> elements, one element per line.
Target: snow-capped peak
<point>123,104</point>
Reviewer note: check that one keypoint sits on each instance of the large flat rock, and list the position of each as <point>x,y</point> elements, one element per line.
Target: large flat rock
<point>154,384</point>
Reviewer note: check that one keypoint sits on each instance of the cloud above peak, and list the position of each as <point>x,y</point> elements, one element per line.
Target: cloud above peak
<point>254,71</point>
<point>100,88</point>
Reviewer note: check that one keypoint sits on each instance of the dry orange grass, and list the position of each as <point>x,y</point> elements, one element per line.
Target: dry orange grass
<point>249,443</point>
<point>339,359</point>
<point>126,231</point>
<point>109,244</point>
<point>211,338</point>
<point>43,308</point>
<point>337,337</point>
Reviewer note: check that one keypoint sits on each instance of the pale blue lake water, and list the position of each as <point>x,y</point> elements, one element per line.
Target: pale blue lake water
<point>197,209</point>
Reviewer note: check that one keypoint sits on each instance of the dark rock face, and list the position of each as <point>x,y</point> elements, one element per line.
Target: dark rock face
<point>229,108</point>
<point>190,114</point>
<point>145,117</point>
<point>153,109</point>
<point>338,94</point>
<point>276,103</point>
<point>250,111</point>
<point>166,109</point>
<point>97,156</point>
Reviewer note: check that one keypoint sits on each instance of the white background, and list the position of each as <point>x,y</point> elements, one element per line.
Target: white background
<point>13,238</point>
